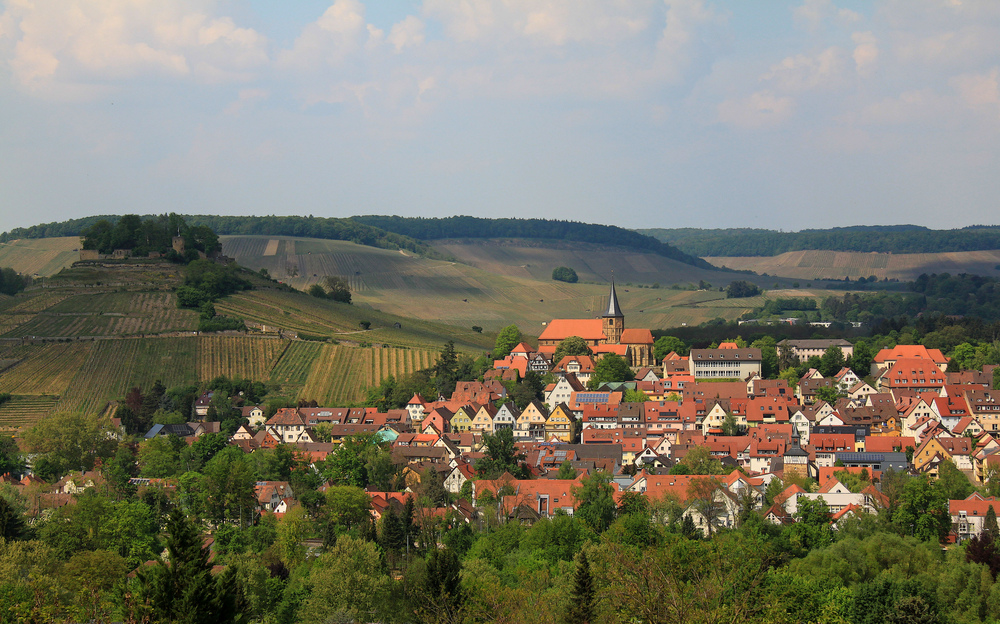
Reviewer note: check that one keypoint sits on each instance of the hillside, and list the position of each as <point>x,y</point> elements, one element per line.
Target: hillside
<point>548,230</point>
<point>498,283</point>
<point>815,264</point>
<point>91,333</point>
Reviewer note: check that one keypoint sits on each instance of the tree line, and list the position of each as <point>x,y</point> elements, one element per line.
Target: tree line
<point>883,239</point>
<point>143,236</point>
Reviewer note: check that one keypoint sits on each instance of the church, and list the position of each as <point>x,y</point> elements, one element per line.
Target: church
<point>606,334</point>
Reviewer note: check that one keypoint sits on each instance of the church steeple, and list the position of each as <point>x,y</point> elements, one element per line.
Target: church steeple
<point>613,319</point>
<point>614,310</point>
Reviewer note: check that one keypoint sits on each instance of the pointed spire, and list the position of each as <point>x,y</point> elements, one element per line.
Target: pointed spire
<point>614,310</point>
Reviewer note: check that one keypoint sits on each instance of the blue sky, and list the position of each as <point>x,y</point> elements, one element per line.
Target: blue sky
<point>642,113</point>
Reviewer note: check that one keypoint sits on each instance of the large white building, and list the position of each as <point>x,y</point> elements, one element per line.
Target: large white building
<point>726,362</point>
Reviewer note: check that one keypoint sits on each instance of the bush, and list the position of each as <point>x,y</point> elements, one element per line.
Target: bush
<point>221,323</point>
<point>564,274</point>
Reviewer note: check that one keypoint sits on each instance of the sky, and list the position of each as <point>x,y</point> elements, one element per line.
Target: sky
<point>638,113</point>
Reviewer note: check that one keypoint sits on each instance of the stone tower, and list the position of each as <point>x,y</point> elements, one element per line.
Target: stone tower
<point>614,320</point>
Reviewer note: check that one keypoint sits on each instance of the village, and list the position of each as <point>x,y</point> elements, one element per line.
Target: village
<point>771,445</point>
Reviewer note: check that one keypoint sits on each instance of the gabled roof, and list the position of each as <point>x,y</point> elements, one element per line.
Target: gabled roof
<point>637,336</point>
<point>561,329</point>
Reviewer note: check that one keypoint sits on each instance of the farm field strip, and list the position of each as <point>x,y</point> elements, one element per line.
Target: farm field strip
<point>295,364</point>
<point>115,366</point>
<point>48,371</point>
<point>25,411</point>
<point>237,356</point>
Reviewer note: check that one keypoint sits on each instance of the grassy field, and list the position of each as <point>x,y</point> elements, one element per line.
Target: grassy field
<point>815,265</point>
<point>496,284</point>
<point>40,256</point>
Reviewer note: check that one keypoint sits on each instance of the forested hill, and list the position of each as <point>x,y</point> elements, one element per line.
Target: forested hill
<point>476,227</point>
<point>881,238</point>
<point>310,227</point>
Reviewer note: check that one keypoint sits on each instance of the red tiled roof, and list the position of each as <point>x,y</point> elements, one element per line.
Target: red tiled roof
<point>560,329</point>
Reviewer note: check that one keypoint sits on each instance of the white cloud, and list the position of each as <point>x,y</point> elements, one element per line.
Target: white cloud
<point>758,110</point>
<point>548,22</point>
<point>979,90</point>
<point>804,73</point>
<point>62,45</point>
<point>865,52</point>
<point>409,32</point>
<point>340,32</point>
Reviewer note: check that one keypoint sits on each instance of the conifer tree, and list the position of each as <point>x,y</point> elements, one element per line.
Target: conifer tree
<point>990,524</point>
<point>581,610</point>
<point>442,588</point>
<point>182,589</point>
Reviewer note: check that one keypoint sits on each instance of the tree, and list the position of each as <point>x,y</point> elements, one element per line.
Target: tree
<point>347,506</point>
<point>507,339</point>
<point>501,456</point>
<point>768,356</point>
<point>349,583</point>
<point>740,289</point>
<point>990,524</point>
<point>595,504</point>
<point>574,345</point>
<point>634,395</point>
<point>566,471</point>
<point>996,378</point>
<point>922,510</point>
<point>831,362</point>
<point>667,344</point>
<point>581,610</point>
<point>861,358</point>
<point>953,482</point>
<point>11,461</point>
<point>703,495</point>
<point>182,588</point>
<point>441,590</point>
<point>729,426</point>
<point>611,367</point>
<point>292,529</point>
<point>827,394</point>
<point>71,441</point>
<point>337,289</point>
<point>698,461</point>
<point>813,527</point>
<point>564,274</point>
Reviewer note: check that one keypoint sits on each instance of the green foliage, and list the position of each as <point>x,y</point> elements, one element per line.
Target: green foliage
<point>581,610</point>
<point>665,344</point>
<point>864,238</point>
<point>349,583</point>
<point>501,456</point>
<point>573,345</point>
<point>952,481</point>
<point>698,461</point>
<point>68,441</point>
<point>923,510</point>
<point>595,504</point>
<point>565,274</point>
<point>205,281</point>
<point>11,282</point>
<point>507,339</point>
<point>337,289</point>
<point>740,289</point>
<point>184,589</point>
<point>611,367</point>
<point>566,471</point>
<point>152,234</point>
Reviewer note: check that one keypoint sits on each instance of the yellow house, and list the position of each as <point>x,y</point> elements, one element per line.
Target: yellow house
<point>483,421</point>
<point>560,424</point>
<point>531,422</point>
<point>462,420</point>
<point>957,450</point>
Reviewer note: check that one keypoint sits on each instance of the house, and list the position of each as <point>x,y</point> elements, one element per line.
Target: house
<point>559,424</point>
<point>289,425</point>
<point>506,417</point>
<point>483,421</point>
<point>805,349</point>
<point>580,365</point>
<point>725,511</point>
<point>886,358</point>
<point>531,422</point>
<point>969,515</point>
<point>254,415</point>
<point>563,389</point>
<point>728,361</point>
<point>957,450</point>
